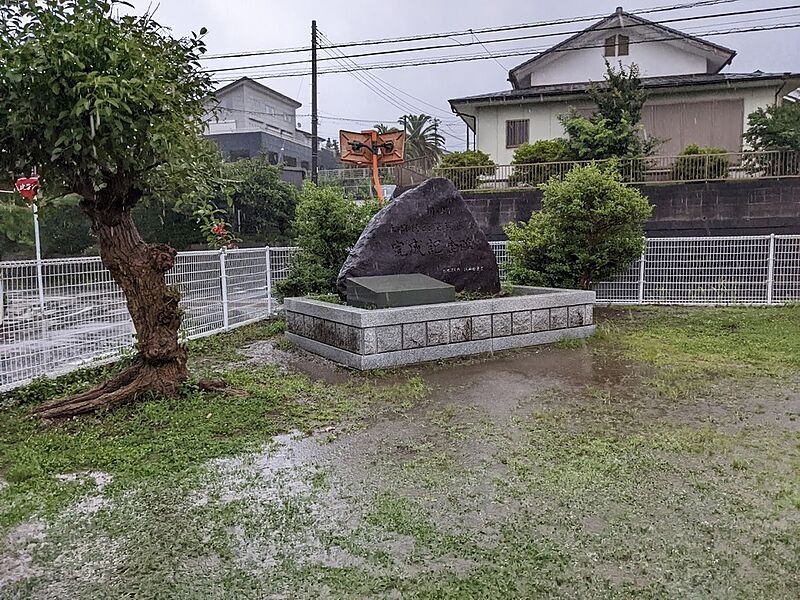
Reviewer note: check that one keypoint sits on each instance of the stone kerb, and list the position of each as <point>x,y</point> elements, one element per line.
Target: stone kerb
<point>365,339</point>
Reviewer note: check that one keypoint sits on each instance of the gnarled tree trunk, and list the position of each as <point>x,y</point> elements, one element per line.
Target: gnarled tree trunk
<point>139,269</point>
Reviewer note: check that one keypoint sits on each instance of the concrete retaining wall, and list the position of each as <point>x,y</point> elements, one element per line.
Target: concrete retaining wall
<point>756,207</point>
<point>370,339</point>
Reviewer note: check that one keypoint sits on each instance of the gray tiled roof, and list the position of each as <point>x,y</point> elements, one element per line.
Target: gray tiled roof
<point>668,81</point>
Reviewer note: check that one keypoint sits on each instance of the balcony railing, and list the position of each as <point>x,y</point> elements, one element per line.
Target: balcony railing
<point>652,169</point>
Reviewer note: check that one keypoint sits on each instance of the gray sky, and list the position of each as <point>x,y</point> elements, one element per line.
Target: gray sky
<point>246,25</point>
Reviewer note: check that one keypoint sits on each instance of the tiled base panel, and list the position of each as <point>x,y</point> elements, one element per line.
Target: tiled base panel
<point>371,339</point>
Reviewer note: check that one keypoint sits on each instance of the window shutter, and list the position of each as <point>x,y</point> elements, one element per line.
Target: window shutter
<point>623,43</point>
<point>611,43</point>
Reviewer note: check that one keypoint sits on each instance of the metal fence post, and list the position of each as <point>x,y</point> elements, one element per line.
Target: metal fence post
<point>771,269</point>
<point>641,274</point>
<point>224,284</point>
<point>269,283</point>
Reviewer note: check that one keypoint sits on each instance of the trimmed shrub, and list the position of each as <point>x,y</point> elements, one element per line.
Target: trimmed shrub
<point>700,163</point>
<point>326,225</point>
<point>590,227</point>
<point>452,165</point>
<point>528,159</point>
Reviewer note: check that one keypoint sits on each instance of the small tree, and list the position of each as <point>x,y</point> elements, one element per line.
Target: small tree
<point>110,107</point>
<point>590,227</point>
<point>775,128</point>
<point>453,168</point>
<point>327,224</point>
<point>614,131</point>
<point>621,97</point>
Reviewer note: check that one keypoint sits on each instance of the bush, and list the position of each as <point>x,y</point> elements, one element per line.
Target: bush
<point>266,202</point>
<point>528,159</point>
<point>465,179</point>
<point>777,129</point>
<point>590,227</point>
<point>326,225</point>
<point>699,163</point>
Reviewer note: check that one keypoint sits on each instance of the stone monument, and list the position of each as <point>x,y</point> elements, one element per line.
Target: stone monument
<point>427,230</point>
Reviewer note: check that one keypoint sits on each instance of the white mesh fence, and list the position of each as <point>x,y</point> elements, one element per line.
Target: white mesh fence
<point>711,271</point>
<point>79,315</point>
<point>85,319</point>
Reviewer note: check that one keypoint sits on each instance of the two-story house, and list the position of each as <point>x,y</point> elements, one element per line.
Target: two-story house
<point>246,119</point>
<point>690,101</point>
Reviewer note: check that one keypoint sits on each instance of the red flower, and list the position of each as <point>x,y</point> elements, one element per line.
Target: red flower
<point>218,229</point>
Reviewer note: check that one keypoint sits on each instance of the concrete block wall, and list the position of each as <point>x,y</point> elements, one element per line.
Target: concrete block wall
<point>754,207</point>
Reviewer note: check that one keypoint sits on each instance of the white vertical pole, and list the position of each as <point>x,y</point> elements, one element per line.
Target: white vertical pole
<point>641,274</point>
<point>269,283</point>
<point>224,284</point>
<point>771,266</point>
<point>37,239</point>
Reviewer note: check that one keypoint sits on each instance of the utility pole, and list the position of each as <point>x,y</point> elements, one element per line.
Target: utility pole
<point>314,115</point>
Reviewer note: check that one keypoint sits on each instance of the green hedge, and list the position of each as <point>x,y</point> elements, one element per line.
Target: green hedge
<point>452,165</point>
<point>531,162</point>
<point>700,163</point>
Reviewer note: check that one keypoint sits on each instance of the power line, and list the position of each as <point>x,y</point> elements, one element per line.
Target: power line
<point>363,79</point>
<point>516,52</point>
<point>373,82</point>
<point>324,116</point>
<point>502,40</point>
<point>413,107</point>
<point>431,36</point>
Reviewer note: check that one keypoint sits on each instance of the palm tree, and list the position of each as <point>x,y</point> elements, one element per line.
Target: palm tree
<point>423,139</point>
<point>381,128</point>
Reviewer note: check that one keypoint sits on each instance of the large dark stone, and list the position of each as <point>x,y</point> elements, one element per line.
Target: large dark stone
<point>426,230</point>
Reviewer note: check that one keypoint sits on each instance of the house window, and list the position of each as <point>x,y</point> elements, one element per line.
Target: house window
<point>290,161</point>
<point>305,165</point>
<point>517,132</point>
<point>617,45</point>
<point>611,46</point>
<point>239,154</point>
<point>272,157</point>
<point>623,41</point>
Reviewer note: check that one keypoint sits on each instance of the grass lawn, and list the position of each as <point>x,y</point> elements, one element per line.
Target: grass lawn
<point>661,459</point>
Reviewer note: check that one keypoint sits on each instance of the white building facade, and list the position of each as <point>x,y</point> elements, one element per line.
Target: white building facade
<point>689,99</point>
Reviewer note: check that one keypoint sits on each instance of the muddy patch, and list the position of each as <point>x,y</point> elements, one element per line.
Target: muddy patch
<point>16,550</point>
<point>296,360</point>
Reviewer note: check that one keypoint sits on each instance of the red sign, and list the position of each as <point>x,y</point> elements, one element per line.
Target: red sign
<point>28,187</point>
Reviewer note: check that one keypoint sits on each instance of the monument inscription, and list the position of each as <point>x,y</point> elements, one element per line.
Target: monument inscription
<point>426,230</point>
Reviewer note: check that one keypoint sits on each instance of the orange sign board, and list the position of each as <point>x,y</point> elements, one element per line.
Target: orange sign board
<point>361,148</point>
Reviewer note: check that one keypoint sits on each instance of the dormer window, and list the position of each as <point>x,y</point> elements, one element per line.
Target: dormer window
<point>617,45</point>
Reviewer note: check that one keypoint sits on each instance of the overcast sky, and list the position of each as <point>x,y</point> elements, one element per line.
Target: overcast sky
<point>247,25</point>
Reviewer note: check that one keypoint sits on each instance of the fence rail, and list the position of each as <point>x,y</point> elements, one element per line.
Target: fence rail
<point>84,317</point>
<point>709,271</point>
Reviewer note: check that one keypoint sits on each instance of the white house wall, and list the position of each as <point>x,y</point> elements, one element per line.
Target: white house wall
<point>275,114</point>
<point>544,124</point>
<point>654,59</point>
